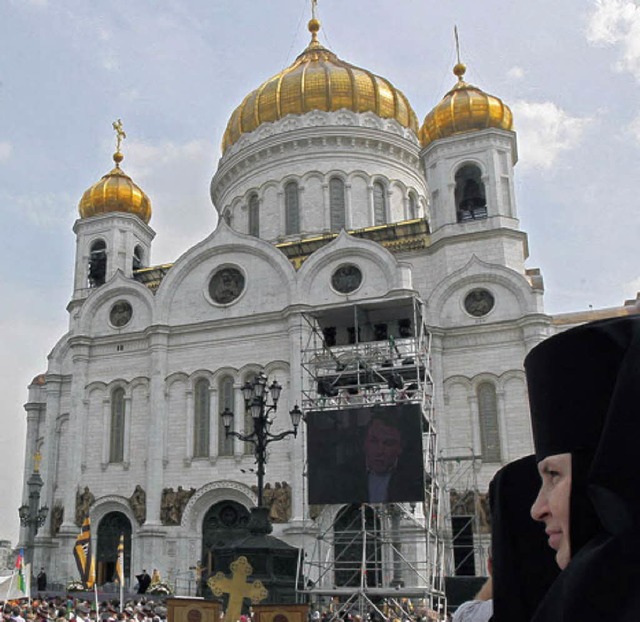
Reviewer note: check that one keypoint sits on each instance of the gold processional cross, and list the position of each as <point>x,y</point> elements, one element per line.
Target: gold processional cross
<point>237,588</point>
<point>37,459</point>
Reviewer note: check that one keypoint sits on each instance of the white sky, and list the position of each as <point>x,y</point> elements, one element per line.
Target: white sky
<point>174,71</point>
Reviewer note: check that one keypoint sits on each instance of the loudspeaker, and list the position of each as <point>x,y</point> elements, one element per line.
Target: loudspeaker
<point>463,553</point>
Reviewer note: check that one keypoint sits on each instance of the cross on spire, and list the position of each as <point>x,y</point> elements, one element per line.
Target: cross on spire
<point>120,135</point>
<point>455,33</point>
<point>314,6</point>
<point>237,587</point>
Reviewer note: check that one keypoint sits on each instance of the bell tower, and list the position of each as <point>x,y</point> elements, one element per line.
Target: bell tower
<point>112,232</point>
<point>469,152</point>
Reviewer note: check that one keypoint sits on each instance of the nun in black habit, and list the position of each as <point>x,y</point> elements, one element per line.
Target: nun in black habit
<point>584,393</point>
<point>523,566</point>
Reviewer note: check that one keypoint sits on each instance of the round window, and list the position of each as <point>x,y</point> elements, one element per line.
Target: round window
<point>226,285</point>
<point>346,279</point>
<point>479,302</point>
<point>120,314</point>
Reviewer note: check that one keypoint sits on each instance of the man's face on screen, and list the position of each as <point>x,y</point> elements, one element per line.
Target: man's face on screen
<point>382,447</point>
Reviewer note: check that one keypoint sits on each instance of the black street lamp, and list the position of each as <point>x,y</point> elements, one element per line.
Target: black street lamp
<point>256,395</point>
<point>32,516</point>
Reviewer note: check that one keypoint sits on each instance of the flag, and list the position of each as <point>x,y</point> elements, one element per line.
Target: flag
<point>20,570</point>
<point>82,554</point>
<point>91,580</point>
<point>27,581</point>
<point>120,561</point>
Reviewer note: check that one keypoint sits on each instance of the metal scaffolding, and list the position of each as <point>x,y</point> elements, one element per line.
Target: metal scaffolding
<point>389,557</point>
<point>465,532</point>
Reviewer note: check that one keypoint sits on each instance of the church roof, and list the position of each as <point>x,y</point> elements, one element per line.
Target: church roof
<point>318,80</point>
<point>465,108</point>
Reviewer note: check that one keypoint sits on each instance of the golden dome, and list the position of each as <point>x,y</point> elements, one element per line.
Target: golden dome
<point>115,192</point>
<point>465,108</point>
<point>318,80</point>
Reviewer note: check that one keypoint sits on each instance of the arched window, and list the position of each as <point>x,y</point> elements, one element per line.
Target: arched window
<point>470,196</point>
<point>254,216</point>
<point>379,204</point>
<point>225,393</point>
<point>201,419</point>
<point>337,212</point>
<point>248,427</point>
<point>412,207</point>
<point>116,436</point>
<point>292,208</point>
<point>488,415</point>
<point>138,257</point>
<point>97,264</point>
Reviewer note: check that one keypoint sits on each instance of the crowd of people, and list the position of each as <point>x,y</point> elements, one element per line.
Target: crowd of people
<point>59,609</point>
<point>566,521</point>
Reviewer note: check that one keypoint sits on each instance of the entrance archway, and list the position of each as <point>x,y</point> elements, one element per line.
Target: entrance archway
<point>224,522</point>
<point>356,527</point>
<point>111,527</point>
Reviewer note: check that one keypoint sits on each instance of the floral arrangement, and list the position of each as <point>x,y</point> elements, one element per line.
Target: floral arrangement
<point>76,586</point>
<point>160,587</point>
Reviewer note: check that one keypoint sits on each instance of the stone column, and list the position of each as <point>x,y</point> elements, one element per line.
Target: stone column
<point>33,416</point>
<point>151,535</point>
<point>348,209</point>
<point>298,333</point>
<point>214,419</point>
<point>77,416</point>
<point>238,421</point>
<point>188,457</point>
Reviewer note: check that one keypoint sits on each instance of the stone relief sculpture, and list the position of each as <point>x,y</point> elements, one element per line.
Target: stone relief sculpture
<point>138,503</point>
<point>57,517</point>
<point>468,503</point>
<point>278,500</point>
<point>84,500</point>
<point>173,504</point>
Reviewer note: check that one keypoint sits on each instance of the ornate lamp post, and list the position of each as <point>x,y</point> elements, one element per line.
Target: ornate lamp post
<point>32,516</point>
<point>256,398</point>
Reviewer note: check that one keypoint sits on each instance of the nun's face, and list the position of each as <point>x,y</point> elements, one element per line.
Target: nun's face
<point>552,504</point>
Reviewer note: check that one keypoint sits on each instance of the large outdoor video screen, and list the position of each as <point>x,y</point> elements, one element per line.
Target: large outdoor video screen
<point>365,455</point>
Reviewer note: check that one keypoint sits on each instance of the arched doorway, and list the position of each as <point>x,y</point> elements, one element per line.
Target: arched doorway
<point>111,527</point>
<point>224,522</point>
<point>357,527</point>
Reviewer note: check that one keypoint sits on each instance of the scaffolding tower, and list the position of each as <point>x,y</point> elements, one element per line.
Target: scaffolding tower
<point>384,558</point>
<point>465,523</point>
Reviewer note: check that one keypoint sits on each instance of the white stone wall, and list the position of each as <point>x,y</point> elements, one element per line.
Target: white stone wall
<point>179,334</point>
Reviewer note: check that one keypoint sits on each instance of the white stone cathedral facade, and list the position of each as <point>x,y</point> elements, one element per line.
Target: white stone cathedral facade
<point>324,168</point>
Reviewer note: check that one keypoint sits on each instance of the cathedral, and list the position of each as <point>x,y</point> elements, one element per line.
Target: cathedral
<point>345,226</point>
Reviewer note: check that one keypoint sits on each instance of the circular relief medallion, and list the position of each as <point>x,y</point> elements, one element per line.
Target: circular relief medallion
<point>479,302</point>
<point>226,285</point>
<point>346,279</point>
<point>194,616</point>
<point>120,314</point>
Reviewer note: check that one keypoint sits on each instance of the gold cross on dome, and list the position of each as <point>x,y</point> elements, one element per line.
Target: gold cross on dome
<point>314,6</point>
<point>120,135</point>
<point>237,587</point>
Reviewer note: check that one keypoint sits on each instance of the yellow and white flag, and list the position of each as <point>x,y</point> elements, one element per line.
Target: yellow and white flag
<point>83,556</point>
<point>120,561</point>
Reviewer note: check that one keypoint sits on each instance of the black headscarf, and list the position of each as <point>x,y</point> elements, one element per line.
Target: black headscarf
<point>524,566</point>
<point>584,393</point>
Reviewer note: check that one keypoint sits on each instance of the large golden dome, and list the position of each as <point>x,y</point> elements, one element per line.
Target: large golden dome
<point>318,80</point>
<point>465,108</point>
<point>115,192</point>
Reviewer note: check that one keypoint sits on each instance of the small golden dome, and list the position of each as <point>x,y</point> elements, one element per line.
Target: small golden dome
<point>465,108</point>
<point>115,192</point>
<point>318,80</point>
